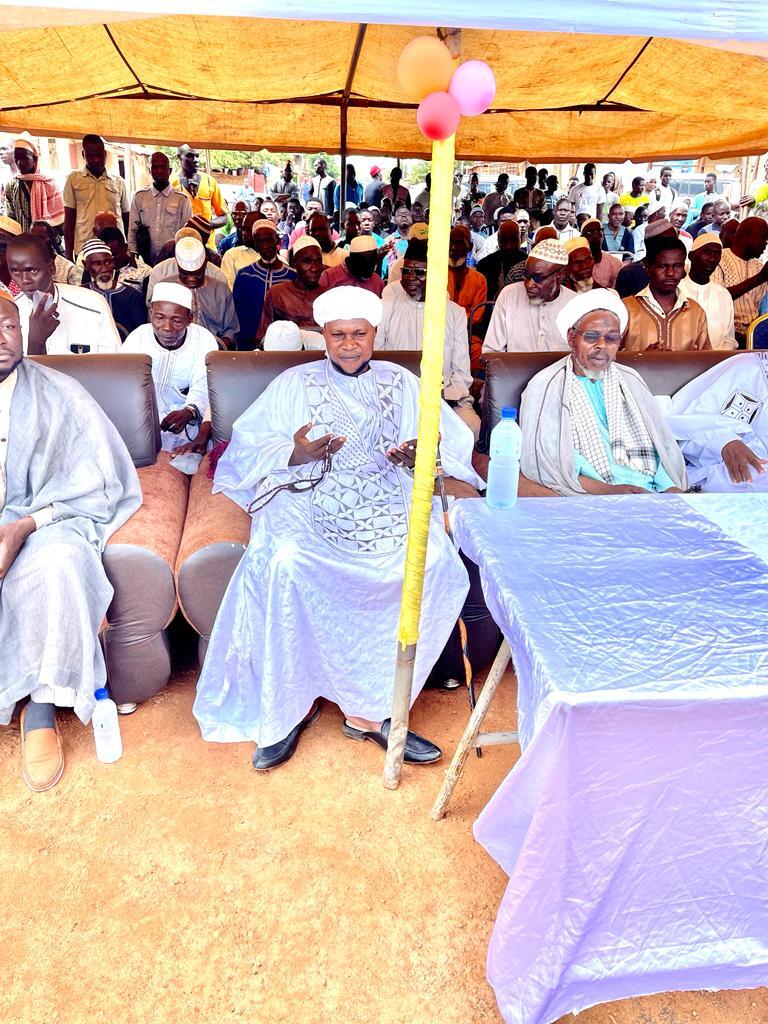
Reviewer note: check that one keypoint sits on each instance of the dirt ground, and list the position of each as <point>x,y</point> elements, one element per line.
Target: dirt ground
<point>178,887</point>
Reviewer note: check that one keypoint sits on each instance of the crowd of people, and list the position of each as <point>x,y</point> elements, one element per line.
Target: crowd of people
<point>323,459</point>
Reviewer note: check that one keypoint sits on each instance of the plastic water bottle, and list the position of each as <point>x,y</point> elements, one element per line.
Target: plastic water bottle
<point>106,728</point>
<point>504,468</point>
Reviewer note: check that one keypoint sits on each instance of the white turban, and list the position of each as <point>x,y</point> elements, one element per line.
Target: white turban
<point>588,302</point>
<point>167,291</point>
<point>348,303</point>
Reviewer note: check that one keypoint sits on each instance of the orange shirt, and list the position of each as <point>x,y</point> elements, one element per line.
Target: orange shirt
<point>468,291</point>
<point>208,202</point>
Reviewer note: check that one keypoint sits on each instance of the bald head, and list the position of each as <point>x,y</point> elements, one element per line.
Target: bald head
<point>11,349</point>
<point>751,238</point>
<point>509,236</point>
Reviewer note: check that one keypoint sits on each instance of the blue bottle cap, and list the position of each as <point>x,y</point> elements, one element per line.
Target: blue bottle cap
<point>509,412</point>
<point>102,693</point>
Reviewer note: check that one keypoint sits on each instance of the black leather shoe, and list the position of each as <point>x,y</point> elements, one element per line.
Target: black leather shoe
<point>265,758</point>
<point>417,749</point>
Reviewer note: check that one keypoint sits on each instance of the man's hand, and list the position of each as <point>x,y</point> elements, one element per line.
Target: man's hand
<point>200,445</point>
<point>747,201</point>
<point>42,323</point>
<point>626,489</point>
<point>176,421</point>
<point>312,451</point>
<point>405,455</point>
<point>738,459</point>
<point>12,538</point>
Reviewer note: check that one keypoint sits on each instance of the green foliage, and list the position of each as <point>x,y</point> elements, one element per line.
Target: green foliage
<point>415,171</point>
<point>236,159</point>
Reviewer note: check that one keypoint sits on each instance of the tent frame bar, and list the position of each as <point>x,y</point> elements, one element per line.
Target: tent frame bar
<point>345,99</point>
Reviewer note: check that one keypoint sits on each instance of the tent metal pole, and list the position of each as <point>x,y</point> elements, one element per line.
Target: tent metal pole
<point>353,62</point>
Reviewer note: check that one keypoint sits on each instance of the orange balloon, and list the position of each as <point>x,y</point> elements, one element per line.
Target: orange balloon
<point>424,66</point>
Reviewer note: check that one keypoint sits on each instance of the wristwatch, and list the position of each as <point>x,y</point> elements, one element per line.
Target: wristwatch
<point>194,410</point>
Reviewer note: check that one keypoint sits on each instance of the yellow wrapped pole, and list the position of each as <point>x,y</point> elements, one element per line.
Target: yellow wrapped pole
<point>440,208</point>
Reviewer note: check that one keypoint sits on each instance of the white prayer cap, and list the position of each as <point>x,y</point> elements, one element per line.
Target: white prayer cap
<point>550,251</point>
<point>302,242</point>
<point>282,336</point>
<point>654,206</point>
<point>363,243</point>
<point>706,238</point>
<point>167,291</point>
<point>588,302</point>
<point>348,303</point>
<point>190,253</point>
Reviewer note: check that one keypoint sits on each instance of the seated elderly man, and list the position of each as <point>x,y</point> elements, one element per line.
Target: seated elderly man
<point>402,327</point>
<point>580,266</point>
<point>126,303</point>
<point>660,316</point>
<point>705,254</point>
<point>294,299</point>
<point>322,461</point>
<point>212,304</point>
<point>590,425</point>
<point>358,269</point>
<point>721,422</point>
<point>178,348</point>
<point>524,317</point>
<point>58,507</point>
<point>57,319</point>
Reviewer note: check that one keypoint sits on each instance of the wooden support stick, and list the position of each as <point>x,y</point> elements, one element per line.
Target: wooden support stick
<point>469,740</point>
<point>398,729</point>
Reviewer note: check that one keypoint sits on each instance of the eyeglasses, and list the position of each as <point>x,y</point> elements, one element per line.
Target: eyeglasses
<point>539,278</point>
<point>592,337</point>
<point>420,272</point>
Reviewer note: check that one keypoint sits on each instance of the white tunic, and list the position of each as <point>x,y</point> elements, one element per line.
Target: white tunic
<point>402,329</point>
<point>519,326</point>
<point>717,303</point>
<point>726,403</point>
<point>179,375</point>
<point>85,319</point>
<point>313,607</point>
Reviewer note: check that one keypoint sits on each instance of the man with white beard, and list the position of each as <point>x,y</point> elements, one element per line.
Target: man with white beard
<point>590,425</point>
<point>720,420</point>
<point>126,303</point>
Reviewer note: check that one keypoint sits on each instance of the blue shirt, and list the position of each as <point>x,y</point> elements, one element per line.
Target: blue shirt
<point>660,481</point>
<point>251,286</point>
<point>354,195</point>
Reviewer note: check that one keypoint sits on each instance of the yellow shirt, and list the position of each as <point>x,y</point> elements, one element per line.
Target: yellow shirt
<point>208,201</point>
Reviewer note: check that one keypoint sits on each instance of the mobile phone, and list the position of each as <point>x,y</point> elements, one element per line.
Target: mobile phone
<point>44,298</point>
<point>79,350</point>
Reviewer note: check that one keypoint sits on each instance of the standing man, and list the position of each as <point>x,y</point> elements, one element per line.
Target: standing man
<point>561,221</point>
<point>201,189</point>
<point>709,195</point>
<point>528,198</point>
<point>157,211</point>
<point>322,187</point>
<point>742,273</point>
<point>660,316</point>
<point>56,319</point>
<point>636,197</point>
<point>394,191</point>
<point>66,484</point>
<point>616,237</point>
<point>88,192</point>
<point>285,186</point>
<point>372,193</point>
<point>253,281</point>
<point>32,196</point>
<point>353,193</point>
<point>588,198</point>
<point>705,255</point>
<point>497,198</point>
<point>667,195</point>
<point>424,197</point>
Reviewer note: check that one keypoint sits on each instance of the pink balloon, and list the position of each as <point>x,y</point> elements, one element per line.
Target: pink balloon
<point>438,115</point>
<point>473,87</point>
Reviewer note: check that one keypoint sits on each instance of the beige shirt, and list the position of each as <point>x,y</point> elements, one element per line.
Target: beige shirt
<point>89,195</point>
<point>518,326</point>
<point>7,387</point>
<point>235,259</point>
<point>683,328</point>
<point>733,270</point>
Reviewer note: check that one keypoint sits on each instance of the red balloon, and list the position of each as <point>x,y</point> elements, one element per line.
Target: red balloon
<point>438,116</point>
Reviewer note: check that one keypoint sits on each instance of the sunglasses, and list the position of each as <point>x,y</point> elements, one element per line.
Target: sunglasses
<point>539,278</point>
<point>419,272</point>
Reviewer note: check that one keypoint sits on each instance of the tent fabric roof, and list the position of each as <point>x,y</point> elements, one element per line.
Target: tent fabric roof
<point>247,83</point>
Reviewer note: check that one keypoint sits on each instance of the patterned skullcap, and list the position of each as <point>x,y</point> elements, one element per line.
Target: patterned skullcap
<point>550,251</point>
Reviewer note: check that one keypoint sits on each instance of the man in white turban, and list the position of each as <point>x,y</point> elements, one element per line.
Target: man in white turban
<point>590,425</point>
<point>323,462</point>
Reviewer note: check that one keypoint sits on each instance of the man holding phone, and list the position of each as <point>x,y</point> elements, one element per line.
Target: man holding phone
<point>56,319</point>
